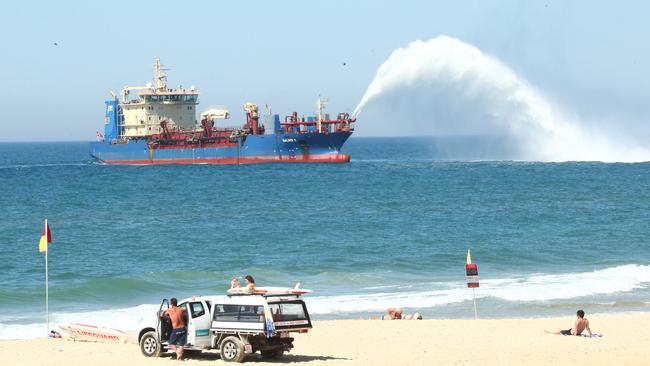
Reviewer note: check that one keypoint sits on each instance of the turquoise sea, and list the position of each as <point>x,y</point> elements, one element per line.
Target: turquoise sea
<point>391,228</point>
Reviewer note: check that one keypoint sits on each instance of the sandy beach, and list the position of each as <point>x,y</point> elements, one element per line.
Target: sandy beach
<point>365,342</point>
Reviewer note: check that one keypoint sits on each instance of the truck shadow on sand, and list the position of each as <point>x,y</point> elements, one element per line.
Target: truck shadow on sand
<point>296,358</point>
<point>287,358</point>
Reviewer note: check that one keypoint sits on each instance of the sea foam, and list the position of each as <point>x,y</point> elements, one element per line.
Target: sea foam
<point>530,288</point>
<point>533,288</point>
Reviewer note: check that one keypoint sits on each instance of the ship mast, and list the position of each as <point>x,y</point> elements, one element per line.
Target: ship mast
<point>159,76</point>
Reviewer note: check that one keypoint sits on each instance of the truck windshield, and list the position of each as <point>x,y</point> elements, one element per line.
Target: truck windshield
<point>288,311</point>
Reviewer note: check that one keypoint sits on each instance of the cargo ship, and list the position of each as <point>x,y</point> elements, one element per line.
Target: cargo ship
<point>158,125</point>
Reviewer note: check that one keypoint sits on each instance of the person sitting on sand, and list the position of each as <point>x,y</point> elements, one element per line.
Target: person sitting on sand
<point>580,325</point>
<point>250,283</point>
<point>234,283</point>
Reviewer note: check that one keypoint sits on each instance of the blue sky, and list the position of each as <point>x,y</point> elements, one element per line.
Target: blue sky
<point>589,56</point>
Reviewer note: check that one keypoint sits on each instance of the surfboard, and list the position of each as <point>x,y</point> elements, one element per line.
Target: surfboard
<point>281,291</point>
<point>266,290</point>
<point>94,333</point>
<point>240,291</point>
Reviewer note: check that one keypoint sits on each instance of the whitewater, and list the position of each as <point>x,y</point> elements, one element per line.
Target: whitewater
<point>445,86</point>
<point>426,297</point>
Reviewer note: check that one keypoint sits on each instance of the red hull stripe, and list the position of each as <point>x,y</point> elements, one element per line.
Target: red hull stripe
<point>323,158</point>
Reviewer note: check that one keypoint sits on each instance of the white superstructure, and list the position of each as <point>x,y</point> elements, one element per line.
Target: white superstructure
<point>141,116</point>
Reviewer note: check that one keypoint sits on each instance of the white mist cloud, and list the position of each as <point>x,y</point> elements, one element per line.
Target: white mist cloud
<point>445,86</point>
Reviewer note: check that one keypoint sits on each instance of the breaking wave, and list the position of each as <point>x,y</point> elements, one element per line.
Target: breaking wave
<point>531,288</point>
<point>534,288</point>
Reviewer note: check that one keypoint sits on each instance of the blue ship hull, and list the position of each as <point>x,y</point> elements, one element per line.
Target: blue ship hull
<point>279,147</point>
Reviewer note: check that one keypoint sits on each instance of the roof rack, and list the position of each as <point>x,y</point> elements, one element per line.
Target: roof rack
<point>273,294</point>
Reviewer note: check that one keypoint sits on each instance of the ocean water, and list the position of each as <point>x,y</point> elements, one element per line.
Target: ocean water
<point>391,228</point>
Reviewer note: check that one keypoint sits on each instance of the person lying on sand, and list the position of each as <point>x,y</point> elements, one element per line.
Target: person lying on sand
<point>397,314</point>
<point>392,314</point>
<point>580,325</point>
<point>414,316</point>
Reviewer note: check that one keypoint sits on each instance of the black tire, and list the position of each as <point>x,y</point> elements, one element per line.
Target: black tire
<point>149,345</point>
<point>232,350</point>
<point>274,354</point>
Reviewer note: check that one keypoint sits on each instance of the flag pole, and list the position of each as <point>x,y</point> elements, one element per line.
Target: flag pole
<point>475,312</point>
<point>471,271</point>
<point>46,238</point>
<point>47,310</point>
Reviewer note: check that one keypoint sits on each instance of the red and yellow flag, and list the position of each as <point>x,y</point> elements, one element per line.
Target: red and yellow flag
<point>46,238</point>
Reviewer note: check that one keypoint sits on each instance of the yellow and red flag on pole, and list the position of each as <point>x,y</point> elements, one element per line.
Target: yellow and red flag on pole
<point>46,238</point>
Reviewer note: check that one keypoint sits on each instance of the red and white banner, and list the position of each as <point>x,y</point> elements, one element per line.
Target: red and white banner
<point>471,272</point>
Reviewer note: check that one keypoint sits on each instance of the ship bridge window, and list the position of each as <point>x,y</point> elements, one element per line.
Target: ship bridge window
<point>188,98</point>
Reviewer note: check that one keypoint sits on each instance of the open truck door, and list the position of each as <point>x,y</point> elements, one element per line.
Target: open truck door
<point>163,324</point>
<point>151,342</point>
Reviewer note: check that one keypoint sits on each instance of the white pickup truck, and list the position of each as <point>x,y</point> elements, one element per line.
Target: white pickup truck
<point>233,325</point>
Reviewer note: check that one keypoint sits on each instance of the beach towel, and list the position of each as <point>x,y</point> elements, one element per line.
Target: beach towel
<point>593,335</point>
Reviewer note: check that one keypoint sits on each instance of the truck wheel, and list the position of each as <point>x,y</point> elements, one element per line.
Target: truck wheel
<point>275,354</point>
<point>149,345</point>
<point>232,350</point>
